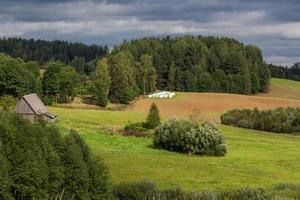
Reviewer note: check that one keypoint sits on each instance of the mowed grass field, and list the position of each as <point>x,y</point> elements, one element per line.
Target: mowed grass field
<point>254,158</point>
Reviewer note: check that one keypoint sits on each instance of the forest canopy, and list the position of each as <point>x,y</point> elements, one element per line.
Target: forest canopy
<point>136,67</point>
<point>43,51</point>
<point>202,64</point>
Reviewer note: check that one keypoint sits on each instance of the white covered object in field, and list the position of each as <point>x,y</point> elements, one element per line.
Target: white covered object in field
<point>162,95</point>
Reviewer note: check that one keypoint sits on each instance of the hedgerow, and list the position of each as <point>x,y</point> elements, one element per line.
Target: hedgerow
<point>148,191</point>
<point>279,120</point>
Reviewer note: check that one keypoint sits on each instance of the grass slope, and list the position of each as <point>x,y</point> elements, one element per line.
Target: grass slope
<point>283,88</point>
<point>254,158</point>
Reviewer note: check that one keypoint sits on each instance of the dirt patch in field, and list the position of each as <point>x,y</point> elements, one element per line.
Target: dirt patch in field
<point>211,105</point>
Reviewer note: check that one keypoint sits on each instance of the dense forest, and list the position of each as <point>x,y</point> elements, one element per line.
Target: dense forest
<point>285,72</point>
<point>38,162</point>
<point>202,64</point>
<point>44,51</point>
<point>186,63</point>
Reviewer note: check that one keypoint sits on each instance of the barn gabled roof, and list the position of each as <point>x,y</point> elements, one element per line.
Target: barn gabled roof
<point>35,103</point>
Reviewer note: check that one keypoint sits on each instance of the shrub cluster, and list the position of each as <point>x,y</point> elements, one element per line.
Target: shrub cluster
<point>136,129</point>
<point>37,162</point>
<point>279,120</point>
<point>185,136</point>
<point>148,191</point>
<point>140,129</point>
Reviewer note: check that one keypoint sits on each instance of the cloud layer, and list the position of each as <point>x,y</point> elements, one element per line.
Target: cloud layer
<point>274,26</point>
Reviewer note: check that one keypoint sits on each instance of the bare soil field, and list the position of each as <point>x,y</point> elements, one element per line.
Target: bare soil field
<point>210,105</point>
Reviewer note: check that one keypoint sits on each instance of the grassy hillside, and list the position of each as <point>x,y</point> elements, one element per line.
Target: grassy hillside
<point>254,158</point>
<point>283,88</point>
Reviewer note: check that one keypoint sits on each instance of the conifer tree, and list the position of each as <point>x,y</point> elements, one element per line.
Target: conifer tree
<point>265,76</point>
<point>153,118</point>
<point>101,83</point>
<point>148,74</point>
<point>171,77</point>
<point>123,86</point>
<point>246,80</point>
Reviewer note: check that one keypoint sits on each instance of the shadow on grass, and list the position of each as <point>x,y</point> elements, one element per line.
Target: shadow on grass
<point>151,146</point>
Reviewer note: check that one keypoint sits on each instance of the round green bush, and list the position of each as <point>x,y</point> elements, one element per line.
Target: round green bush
<point>190,137</point>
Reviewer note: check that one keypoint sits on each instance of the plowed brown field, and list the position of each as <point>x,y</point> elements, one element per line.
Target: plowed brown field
<point>210,105</point>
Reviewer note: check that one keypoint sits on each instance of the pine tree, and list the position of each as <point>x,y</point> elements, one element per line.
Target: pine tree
<point>153,118</point>
<point>148,74</point>
<point>101,83</point>
<point>265,76</point>
<point>171,77</point>
<point>255,79</point>
<point>123,87</point>
<point>246,80</point>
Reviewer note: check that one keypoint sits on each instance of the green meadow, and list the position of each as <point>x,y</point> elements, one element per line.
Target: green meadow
<point>286,82</point>
<point>254,158</point>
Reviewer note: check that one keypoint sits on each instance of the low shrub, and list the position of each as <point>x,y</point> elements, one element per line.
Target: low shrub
<point>190,137</point>
<point>248,194</point>
<point>134,191</point>
<point>287,190</point>
<point>136,129</point>
<point>148,191</point>
<point>279,120</point>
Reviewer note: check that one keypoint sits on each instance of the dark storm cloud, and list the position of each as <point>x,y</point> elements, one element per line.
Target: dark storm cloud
<point>274,26</point>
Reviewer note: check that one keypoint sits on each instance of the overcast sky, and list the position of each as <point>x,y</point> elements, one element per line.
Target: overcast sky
<point>272,25</point>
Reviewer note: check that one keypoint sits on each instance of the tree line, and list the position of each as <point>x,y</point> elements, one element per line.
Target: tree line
<point>42,51</point>
<point>279,120</point>
<point>201,64</point>
<point>186,63</point>
<point>279,71</point>
<point>57,84</point>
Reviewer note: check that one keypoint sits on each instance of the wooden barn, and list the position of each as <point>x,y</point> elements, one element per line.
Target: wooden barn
<point>31,107</point>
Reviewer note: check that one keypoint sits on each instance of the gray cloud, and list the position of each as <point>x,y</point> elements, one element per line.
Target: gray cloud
<point>274,26</point>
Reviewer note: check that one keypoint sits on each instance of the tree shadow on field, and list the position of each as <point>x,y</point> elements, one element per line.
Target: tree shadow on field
<point>151,146</point>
